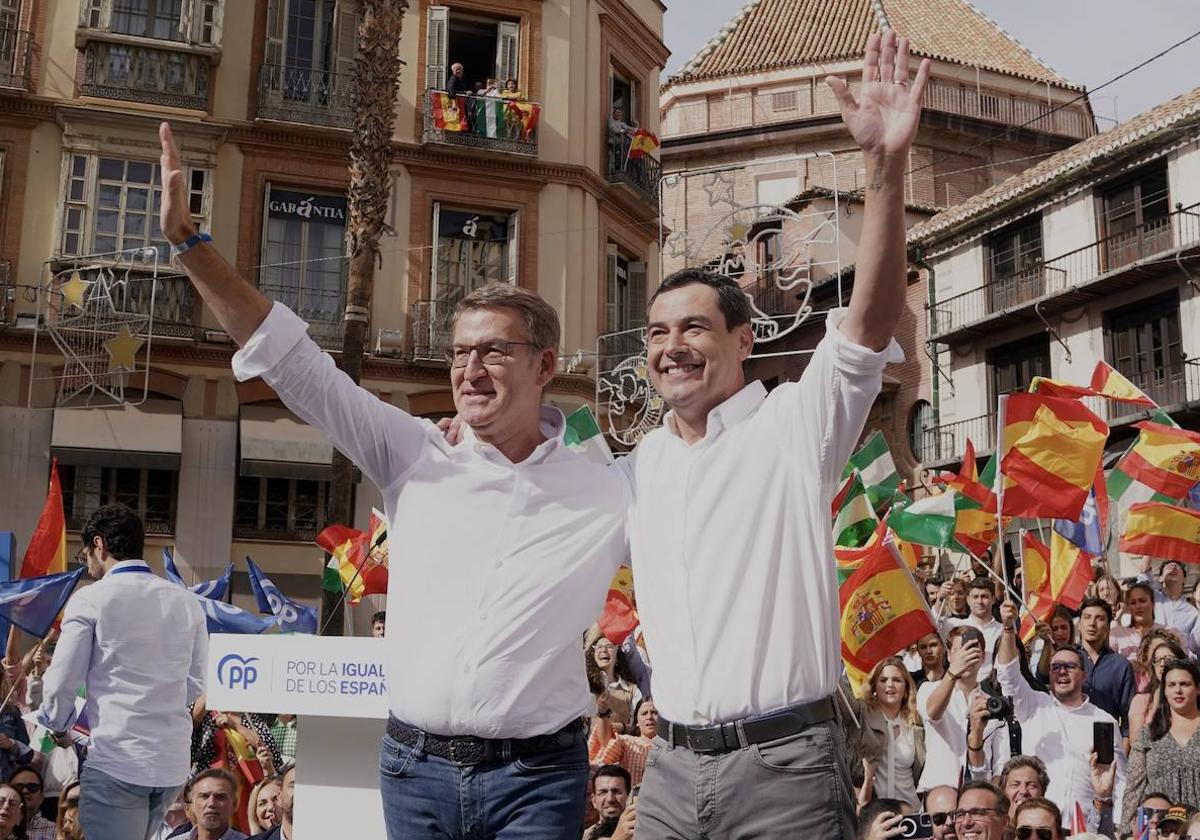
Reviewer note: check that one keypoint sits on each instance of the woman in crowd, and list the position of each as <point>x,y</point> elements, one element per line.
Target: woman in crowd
<point>1107,588</point>
<point>1060,631</point>
<point>613,688</point>
<point>630,751</point>
<point>66,820</point>
<point>1166,755</point>
<point>511,91</point>
<point>887,746</point>
<point>1136,621</point>
<point>261,814</point>
<point>12,814</point>
<point>28,781</point>
<point>1157,649</point>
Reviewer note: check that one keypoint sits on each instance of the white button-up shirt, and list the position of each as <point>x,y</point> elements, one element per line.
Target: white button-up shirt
<point>139,644</point>
<point>946,737</point>
<point>731,543</point>
<point>497,569</point>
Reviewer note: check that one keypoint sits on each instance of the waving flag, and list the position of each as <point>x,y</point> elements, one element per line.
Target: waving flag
<point>347,546</point>
<point>1052,447</point>
<point>854,519</point>
<point>1090,531</point>
<point>449,113</point>
<point>226,618</point>
<point>642,143</point>
<point>207,589</point>
<point>929,521</point>
<point>1169,532</point>
<point>620,616</point>
<point>46,553</point>
<point>33,604</point>
<point>874,463</point>
<point>1108,382</point>
<point>292,617</point>
<point>1070,571</point>
<point>1162,465</point>
<point>583,434</point>
<point>1035,579</point>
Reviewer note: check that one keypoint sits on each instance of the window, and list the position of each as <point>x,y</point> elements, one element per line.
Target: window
<point>626,291</point>
<point>112,204</point>
<point>279,508</point>
<point>1015,264</point>
<point>1144,342</point>
<point>783,101</point>
<point>310,38</point>
<point>304,244</point>
<point>471,249</point>
<point>159,19</point>
<point>1136,217</point>
<point>151,493</point>
<point>1014,365</point>
<point>921,432</point>
<point>486,47</point>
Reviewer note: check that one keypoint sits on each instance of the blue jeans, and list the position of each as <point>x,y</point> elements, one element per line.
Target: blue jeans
<point>110,809</point>
<point>539,797</point>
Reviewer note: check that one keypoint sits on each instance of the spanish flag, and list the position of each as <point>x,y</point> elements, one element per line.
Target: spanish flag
<point>46,553</point>
<point>620,616</point>
<point>1108,382</point>
<point>1070,571</point>
<point>375,565</point>
<point>1169,532</point>
<point>967,481</point>
<point>449,113</point>
<point>1035,577</point>
<point>1051,449</point>
<point>642,143</point>
<point>1166,459</point>
<point>882,612</point>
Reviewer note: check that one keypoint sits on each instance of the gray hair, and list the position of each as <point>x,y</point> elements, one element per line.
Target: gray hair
<point>539,317</point>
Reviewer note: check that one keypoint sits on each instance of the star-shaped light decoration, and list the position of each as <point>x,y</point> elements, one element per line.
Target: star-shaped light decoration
<point>74,291</point>
<point>122,348</point>
<point>738,232</point>
<point>719,189</point>
<point>677,244</point>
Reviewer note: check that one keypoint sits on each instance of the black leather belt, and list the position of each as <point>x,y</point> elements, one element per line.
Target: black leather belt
<point>726,737</point>
<point>469,750</point>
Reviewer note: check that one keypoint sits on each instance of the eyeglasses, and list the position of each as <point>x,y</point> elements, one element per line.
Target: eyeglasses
<point>26,787</point>
<point>491,353</point>
<point>940,817</point>
<point>973,813</point>
<point>1063,667</point>
<point>1027,832</point>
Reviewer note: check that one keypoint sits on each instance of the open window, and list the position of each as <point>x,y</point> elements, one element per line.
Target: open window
<point>626,284</point>
<point>310,48</point>
<point>487,47</point>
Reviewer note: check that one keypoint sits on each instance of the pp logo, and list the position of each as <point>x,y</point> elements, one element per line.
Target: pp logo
<point>234,671</point>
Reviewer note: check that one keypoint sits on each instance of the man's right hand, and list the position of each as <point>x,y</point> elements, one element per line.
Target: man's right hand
<point>965,657</point>
<point>627,823</point>
<point>451,428</point>
<point>886,825</point>
<point>944,591</point>
<point>977,714</point>
<point>175,217</point>
<point>1008,615</point>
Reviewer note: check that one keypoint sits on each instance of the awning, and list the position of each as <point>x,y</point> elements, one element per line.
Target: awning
<point>146,436</point>
<point>275,444</point>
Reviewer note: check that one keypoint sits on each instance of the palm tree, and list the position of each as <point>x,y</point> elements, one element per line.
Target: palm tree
<point>373,90</point>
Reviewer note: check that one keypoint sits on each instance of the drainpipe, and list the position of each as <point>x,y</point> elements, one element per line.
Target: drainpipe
<point>918,259</point>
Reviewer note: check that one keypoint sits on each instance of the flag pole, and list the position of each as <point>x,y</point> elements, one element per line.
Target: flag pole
<point>1001,406</point>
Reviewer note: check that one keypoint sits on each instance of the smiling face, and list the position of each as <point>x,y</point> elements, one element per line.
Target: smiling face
<point>10,809</point>
<point>695,360</point>
<point>1039,818</point>
<point>264,808</point>
<point>1179,687</point>
<point>980,820</point>
<point>1022,783</point>
<point>30,787</point>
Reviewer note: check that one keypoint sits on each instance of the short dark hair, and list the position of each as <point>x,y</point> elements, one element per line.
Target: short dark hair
<point>379,616</point>
<point>731,300</point>
<point>1031,761</point>
<point>871,811</point>
<point>1142,585</point>
<point>1040,803</point>
<point>26,768</point>
<point>967,633</point>
<point>983,583</point>
<point>1098,603</point>
<point>211,773</point>
<point>119,527</point>
<point>1075,649</point>
<point>617,772</point>
<point>1002,802</point>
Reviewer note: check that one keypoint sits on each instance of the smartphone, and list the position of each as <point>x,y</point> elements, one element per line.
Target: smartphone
<point>917,825</point>
<point>1102,742</point>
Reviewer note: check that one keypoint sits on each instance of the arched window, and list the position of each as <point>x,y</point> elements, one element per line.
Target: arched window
<point>921,433</point>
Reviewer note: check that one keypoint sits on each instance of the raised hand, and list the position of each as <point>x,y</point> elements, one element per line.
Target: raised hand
<point>175,217</point>
<point>883,119</point>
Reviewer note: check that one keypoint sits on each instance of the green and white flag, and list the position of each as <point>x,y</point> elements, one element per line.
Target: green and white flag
<point>490,115</point>
<point>331,579</point>
<point>854,519</point>
<point>874,463</point>
<point>927,522</point>
<point>583,435</point>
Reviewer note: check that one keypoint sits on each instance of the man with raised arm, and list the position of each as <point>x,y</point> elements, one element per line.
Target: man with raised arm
<point>511,540</point>
<point>732,553</point>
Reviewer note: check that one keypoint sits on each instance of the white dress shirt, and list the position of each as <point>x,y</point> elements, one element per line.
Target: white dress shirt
<point>498,568</point>
<point>1179,614</point>
<point>732,551</point>
<point>1062,737</point>
<point>139,644</point>
<point>946,737</point>
<point>991,630</point>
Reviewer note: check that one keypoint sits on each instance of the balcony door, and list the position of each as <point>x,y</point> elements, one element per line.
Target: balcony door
<point>11,62</point>
<point>1136,217</point>
<point>486,47</point>
<point>1144,342</point>
<point>310,48</point>
<point>1015,263</point>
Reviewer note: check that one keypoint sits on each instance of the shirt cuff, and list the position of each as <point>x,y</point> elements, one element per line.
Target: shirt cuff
<point>275,337</point>
<point>854,356</point>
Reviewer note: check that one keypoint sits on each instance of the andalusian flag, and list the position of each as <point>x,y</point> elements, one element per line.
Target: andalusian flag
<point>489,116</point>
<point>853,518</point>
<point>1168,532</point>
<point>930,521</point>
<point>1162,465</point>
<point>968,483</point>
<point>449,113</point>
<point>583,435</point>
<point>620,616</point>
<point>331,578</point>
<point>642,143</point>
<point>874,463</point>
<point>849,560</point>
<point>47,550</point>
<point>883,612</point>
<point>1051,449</point>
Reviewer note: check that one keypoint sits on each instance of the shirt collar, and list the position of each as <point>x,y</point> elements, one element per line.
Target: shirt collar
<point>128,564</point>
<point>728,414</point>
<point>552,424</point>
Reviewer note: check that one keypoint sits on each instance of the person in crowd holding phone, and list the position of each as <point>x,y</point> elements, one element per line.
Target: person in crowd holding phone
<point>944,705</point>
<point>885,735</point>
<point>883,819</point>
<point>1055,726</point>
<point>1037,819</point>
<point>1157,649</point>
<point>1166,756</point>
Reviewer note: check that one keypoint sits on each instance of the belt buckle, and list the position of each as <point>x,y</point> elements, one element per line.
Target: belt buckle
<point>465,752</point>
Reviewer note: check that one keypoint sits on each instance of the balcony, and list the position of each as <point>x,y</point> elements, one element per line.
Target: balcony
<point>8,294</point>
<point>321,308</point>
<point>430,330</point>
<point>1118,261</point>
<point>485,123</point>
<point>136,73</point>
<point>642,174</point>
<point>170,300</point>
<point>944,444</point>
<point>16,46</point>
<point>297,95</point>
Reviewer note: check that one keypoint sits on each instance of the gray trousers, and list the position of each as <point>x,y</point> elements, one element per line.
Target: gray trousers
<point>796,787</point>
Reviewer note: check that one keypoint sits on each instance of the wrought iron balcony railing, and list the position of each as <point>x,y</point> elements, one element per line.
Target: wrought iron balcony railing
<point>642,173</point>
<point>430,330</point>
<point>322,308</point>
<point>145,74</point>
<point>299,95</point>
<point>481,122</point>
<point>1107,257</point>
<point>16,46</point>
<point>946,442</point>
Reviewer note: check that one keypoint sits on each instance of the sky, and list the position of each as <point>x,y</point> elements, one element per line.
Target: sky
<point>1086,41</point>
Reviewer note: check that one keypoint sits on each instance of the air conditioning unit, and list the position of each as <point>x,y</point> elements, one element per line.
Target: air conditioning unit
<point>389,343</point>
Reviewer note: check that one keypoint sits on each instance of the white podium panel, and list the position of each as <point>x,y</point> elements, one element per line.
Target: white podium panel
<point>336,686</point>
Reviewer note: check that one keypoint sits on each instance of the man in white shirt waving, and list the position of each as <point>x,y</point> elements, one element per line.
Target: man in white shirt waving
<point>139,645</point>
<point>511,540</point>
<point>732,553</point>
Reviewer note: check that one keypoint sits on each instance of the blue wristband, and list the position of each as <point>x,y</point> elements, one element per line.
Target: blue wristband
<point>190,243</point>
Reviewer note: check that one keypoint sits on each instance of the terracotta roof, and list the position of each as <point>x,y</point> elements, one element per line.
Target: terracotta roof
<point>1182,111</point>
<point>771,34</point>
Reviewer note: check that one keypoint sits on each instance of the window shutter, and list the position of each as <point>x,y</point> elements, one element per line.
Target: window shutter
<point>276,31</point>
<point>212,18</point>
<point>514,248</point>
<point>436,46</point>
<point>433,266</point>
<point>187,21</point>
<point>611,316</point>
<point>508,51</point>
<point>637,294</point>
<point>345,40</point>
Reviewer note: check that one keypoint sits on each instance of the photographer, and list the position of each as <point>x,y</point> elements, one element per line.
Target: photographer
<point>1056,725</point>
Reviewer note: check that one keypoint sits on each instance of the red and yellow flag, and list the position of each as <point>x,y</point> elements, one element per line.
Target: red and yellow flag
<point>46,553</point>
<point>882,612</point>
<point>375,564</point>
<point>449,113</point>
<point>1107,381</point>
<point>1059,574</point>
<point>1035,577</point>
<point>642,143</point>
<point>348,547</point>
<point>1169,532</point>
<point>1164,458</point>
<point>620,616</point>
<point>1070,571</point>
<point>1051,448</point>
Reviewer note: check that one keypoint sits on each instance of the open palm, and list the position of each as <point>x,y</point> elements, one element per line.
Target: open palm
<point>883,119</point>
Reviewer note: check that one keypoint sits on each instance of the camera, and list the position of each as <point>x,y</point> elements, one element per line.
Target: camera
<point>918,825</point>
<point>999,707</point>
